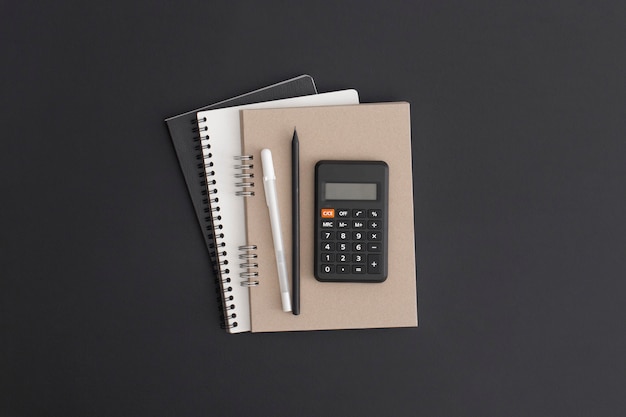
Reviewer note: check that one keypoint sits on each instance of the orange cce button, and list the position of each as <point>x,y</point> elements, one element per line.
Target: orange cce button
<point>328,213</point>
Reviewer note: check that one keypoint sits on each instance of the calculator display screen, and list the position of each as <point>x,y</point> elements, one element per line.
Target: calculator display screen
<point>350,191</point>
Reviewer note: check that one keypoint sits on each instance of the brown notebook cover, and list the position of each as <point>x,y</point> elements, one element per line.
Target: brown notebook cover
<point>356,132</point>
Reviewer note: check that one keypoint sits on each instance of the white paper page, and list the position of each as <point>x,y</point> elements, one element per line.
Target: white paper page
<point>220,132</point>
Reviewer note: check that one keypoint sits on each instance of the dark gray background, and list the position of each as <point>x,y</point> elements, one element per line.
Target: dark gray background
<point>107,306</point>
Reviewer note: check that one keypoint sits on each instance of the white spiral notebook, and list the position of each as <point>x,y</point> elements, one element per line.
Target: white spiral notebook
<point>228,182</point>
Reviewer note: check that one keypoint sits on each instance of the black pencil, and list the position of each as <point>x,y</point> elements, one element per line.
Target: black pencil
<point>295,225</point>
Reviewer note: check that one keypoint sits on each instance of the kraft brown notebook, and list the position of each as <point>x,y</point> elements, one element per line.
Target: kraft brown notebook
<point>356,132</point>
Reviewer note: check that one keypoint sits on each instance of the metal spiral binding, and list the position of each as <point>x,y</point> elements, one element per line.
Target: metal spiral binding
<point>245,175</point>
<point>247,255</point>
<point>214,229</point>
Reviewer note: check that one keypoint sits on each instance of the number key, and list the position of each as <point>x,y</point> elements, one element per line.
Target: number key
<point>343,235</point>
<point>328,269</point>
<point>328,246</point>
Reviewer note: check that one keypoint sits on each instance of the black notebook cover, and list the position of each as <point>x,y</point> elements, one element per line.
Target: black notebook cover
<point>184,134</point>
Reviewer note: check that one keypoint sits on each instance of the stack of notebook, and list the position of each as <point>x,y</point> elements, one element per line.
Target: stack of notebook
<point>219,150</point>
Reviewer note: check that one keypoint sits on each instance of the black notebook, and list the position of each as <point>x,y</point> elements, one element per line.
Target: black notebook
<point>184,133</point>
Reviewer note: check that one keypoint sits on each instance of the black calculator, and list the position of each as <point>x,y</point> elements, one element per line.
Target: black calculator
<point>351,221</point>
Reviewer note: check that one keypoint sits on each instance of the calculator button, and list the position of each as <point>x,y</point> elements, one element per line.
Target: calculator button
<point>328,224</point>
<point>358,235</point>
<point>358,258</point>
<point>358,247</point>
<point>342,224</point>
<point>328,257</point>
<point>373,224</point>
<point>328,235</point>
<point>358,269</point>
<point>343,213</point>
<point>374,264</point>
<point>328,246</point>
<point>328,213</point>
<point>328,269</point>
<point>374,235</point>
<point>358,213</point>
<point>343,269</point>
<point>343,235</point>
<point>375,214</point>
<point>343,258</point>
<point>358,224</point>
<point>342,247</point>
<point>374,247</point>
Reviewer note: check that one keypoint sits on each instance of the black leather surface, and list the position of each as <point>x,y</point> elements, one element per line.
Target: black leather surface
<point>107,305</point>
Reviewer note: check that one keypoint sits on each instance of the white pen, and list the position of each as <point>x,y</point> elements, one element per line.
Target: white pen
<point>269,184</point>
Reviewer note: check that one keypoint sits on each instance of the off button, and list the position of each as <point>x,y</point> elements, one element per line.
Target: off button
<point>343,213</point>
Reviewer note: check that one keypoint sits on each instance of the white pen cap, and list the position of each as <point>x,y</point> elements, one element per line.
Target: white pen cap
<point>268,165</point>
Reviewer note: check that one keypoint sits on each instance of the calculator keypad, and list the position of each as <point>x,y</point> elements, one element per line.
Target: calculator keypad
<point>351,242</point>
